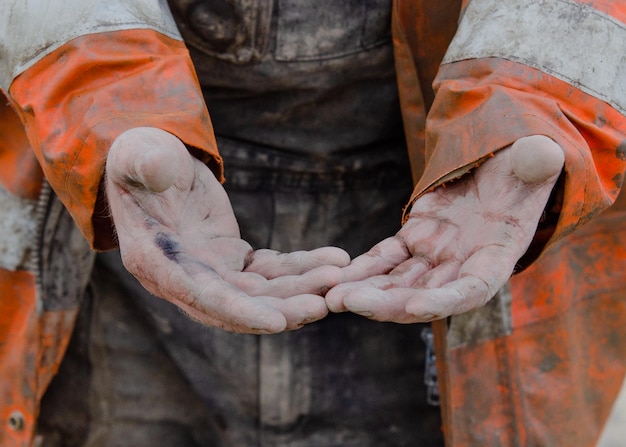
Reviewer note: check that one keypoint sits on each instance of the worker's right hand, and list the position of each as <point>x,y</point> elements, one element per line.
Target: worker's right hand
<point>178,236</point>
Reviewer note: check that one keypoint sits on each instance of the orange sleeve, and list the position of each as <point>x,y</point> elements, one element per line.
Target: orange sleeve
<point>488,95</point>
<point>76,100</point>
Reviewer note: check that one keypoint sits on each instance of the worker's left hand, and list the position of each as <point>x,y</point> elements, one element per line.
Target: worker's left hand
<point>460,243</point>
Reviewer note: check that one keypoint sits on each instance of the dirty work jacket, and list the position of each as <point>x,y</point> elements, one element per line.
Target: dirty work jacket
<point>540,365</point>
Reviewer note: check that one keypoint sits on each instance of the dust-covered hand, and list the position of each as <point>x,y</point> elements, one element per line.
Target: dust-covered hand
<point>178,236</point>
<point>460,243</point>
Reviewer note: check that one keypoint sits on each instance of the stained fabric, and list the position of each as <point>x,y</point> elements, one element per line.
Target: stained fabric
<point>564,339</point>
<point>112,90</point>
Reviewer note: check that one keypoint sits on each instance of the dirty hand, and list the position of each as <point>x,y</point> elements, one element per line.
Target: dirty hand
<point>178,236</point>
<point>460,243</point>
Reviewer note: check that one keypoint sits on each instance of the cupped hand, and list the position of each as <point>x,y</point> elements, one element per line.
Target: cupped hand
<point>460,243</point>
<point>179,237</point>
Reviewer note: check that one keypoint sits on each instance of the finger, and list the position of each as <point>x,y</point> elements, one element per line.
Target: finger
<point>233,309</point>
<point>479,279</point>
<point>299,310</point>
<point>317,281</point>
<point>454,298</point>
<point>438,275</point>
<point>379,305</point>
<point>380,259</point>
<point>335,298</point>
<point>536,159</point>
<point>404,275</point>
<point>409,305</point>
<point>199,290</point>
<point>272,264</point>
<point>401,302</point>
<point>239,325</point>
<point>387,304</point>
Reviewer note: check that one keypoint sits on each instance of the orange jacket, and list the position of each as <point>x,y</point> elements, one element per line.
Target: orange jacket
<point>543,362</point>
<point>540,365</point>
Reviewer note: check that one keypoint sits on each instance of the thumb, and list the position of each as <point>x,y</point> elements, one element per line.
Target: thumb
<point>536,159</point>
<point>150,158</point>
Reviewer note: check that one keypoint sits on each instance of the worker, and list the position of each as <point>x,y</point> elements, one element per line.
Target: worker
<point>316,112</point>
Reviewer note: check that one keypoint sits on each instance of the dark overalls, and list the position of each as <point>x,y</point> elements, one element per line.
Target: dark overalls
<point>303,99</point>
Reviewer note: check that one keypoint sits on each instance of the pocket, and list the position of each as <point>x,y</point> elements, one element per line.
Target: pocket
<point>234,30</point>
<point>325,29</point>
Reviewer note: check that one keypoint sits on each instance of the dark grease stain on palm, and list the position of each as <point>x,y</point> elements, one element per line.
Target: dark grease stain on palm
<point>168,246</point>
<point>172,251</point>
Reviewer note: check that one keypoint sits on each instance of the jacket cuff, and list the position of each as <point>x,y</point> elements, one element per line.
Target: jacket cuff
<point>76,100</point>
<point>484,105</point>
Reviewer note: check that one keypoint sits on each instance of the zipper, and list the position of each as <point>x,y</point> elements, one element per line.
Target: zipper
<point>36,258</point>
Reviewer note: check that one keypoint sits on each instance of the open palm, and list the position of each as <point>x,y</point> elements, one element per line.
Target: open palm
<point>178,236</point>
<point>460,243</point>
